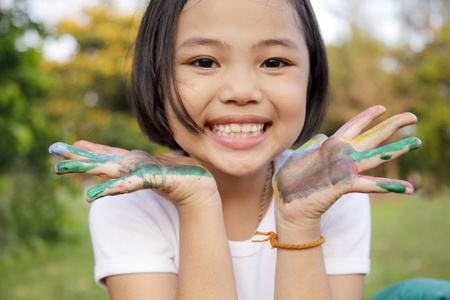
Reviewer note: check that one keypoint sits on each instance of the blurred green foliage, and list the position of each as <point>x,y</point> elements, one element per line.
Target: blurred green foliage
<point>423,82</point>
<point>29,210</point>
<point>43,102</point>
<point>90,101</point>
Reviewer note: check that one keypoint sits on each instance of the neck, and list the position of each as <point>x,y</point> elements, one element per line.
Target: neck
<point>241,201</point>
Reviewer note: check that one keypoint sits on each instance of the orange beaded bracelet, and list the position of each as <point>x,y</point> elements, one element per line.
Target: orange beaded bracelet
<point>272,237</point>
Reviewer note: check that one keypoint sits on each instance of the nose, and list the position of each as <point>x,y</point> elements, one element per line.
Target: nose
<point>241,86</point>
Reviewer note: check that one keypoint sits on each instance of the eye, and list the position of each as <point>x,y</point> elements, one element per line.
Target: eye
<point>205,63</point>
<point>275,63</point>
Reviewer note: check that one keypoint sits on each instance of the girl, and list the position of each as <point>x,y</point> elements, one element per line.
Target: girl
<point>233,84</point>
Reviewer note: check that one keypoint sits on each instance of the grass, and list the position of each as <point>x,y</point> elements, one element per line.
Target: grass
<point>55,271</point>
<point>410,240</point>
<point>62,271</point>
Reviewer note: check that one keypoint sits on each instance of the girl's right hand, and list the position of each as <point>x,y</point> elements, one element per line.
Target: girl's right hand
<point>178,178</point>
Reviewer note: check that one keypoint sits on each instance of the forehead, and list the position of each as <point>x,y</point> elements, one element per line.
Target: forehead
<point>244,18</point>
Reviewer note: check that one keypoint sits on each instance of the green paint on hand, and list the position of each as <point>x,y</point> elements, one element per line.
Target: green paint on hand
<point>189,171</point>
<point>386,157</point>
<point>73,166</point>
<point>96,191</point>
<point>150,170</point>
<point>392,186</point>
<point>181,170</point>
<point>415,143</point>
<point>412,143</point>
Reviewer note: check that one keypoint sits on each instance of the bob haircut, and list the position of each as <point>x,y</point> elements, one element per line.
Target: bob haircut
<point>153,72</point>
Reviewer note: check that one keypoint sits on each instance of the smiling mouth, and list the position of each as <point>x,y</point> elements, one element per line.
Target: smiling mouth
<point>238,131</point>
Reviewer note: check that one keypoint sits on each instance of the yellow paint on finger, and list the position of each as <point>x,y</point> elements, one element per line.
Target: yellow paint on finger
<point>309,143</point>
<point>361,138</point>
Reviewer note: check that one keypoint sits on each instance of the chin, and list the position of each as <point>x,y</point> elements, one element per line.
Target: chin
<point>239,165</point>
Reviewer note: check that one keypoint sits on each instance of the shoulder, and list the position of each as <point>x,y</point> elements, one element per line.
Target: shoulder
<point>130,217</point>
<point>346,227</point>
<point>137,206</point>
<point>134,233</point>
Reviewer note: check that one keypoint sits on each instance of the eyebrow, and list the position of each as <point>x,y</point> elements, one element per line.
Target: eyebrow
<point>288,43</point>
<point>199,41</point>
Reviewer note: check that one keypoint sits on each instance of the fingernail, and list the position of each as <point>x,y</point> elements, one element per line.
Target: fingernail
<point>72,166</point>
<point>56,148</point>
<point>392,186</point>
<point>94,193</point>
<point>415,143</point>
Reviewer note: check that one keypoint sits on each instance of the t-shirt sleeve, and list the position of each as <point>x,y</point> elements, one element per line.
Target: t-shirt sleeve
<point>133,233</point>
<point>346,227</point>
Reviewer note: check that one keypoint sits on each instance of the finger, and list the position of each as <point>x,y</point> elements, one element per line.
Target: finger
<point>121,185</point>
<point>368,184</point>
<point>370,159</point>
<point>127,184</point>
<point>385,153</point>
<point>382,131</point>
<point>72,152</point>
<point>98,167</point>
<point>353,128</point>
<point>98,148</point>
<point>151,176</point>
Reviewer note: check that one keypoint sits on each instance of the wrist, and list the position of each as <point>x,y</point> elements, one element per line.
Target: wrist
<point>298,232</point>
<point>200,205</point>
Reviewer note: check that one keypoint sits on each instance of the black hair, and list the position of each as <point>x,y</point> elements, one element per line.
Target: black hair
<point>153,74</point>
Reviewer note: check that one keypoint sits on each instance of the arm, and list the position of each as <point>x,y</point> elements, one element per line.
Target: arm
<point>346,287</point>
<point>142,286</point>
<point>205,270</point>
<point>311,180</point>
<point>300,274</point>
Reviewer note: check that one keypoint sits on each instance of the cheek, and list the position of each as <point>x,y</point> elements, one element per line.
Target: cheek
<point>179,132</point>
<point>292,109</point>
<point>185,92</point>
<point>194,95</point>
<point>174,124</point>
<point>292,101</point>
<point>183,136</point>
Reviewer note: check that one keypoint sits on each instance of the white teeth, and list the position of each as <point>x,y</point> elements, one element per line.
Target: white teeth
<point>238,131</point>
<point>236,127</point>
<point>246,128</point>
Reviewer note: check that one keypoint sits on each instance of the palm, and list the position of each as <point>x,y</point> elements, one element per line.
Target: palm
<point>176,177</point>
<point>324,169</point>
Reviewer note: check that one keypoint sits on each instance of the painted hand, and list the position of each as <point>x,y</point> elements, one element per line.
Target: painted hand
<point>176,177</point>
<point>324,169</point>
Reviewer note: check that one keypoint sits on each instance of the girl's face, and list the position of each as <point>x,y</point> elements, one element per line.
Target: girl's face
<point>242,71</point>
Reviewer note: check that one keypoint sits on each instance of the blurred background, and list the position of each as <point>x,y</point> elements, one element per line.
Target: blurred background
<point>64,75</point>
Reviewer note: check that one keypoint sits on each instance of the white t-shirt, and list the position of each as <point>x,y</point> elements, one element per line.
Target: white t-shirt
<point>138,233</point>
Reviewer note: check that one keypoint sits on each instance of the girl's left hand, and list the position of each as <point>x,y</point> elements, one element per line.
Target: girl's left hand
<point>324,169</point>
